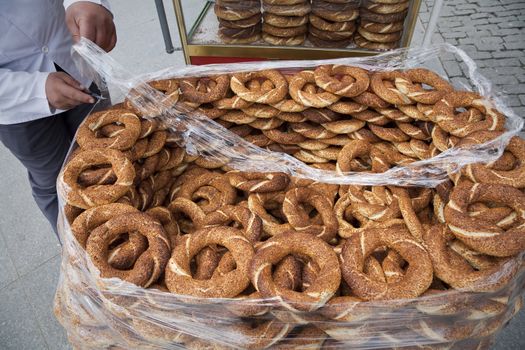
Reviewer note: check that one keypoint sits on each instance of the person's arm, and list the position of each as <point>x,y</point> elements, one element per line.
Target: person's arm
<point>93,20</point>
<point>23,92</point>
<point>38,93</point>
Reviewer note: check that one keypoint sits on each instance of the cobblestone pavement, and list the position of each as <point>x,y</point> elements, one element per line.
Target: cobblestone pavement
<point>492,32</point>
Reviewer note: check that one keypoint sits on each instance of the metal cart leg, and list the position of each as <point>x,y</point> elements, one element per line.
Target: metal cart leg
<point>164,26</point>
<point>432,22</point>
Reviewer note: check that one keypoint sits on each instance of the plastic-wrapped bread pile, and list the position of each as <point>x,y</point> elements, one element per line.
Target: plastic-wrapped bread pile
<point>333,23</point>
<point>239,21</point>
<point>326,23</point>
<point>285,22</point>
<point>381,25</point>
<point>300,263</point>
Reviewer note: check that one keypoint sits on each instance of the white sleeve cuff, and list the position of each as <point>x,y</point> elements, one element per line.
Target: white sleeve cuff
<point>40,102</point>
<point>104,3</point>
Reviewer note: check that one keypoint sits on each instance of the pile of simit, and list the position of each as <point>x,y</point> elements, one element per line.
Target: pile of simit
<point>150,214</point>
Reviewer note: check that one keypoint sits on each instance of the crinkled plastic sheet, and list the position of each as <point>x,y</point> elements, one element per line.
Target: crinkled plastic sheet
<point>111,313</point>
<point>203,136</point>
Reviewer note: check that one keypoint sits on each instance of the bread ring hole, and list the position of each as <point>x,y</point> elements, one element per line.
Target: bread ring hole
<point>211,261</point>
<point>205,195</point>
<point>122,260</point>
<point>97,175</point>
<point>274,209</point>
<point>278,215</point>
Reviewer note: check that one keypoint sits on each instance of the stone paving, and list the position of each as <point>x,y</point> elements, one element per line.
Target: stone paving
<point>491,31</point>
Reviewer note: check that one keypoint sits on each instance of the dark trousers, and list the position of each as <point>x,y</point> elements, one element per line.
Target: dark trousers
<point>41,146</point>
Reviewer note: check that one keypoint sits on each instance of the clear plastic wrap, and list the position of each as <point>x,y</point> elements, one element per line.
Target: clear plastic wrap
<point>201,135</point>
<point>111,313</point>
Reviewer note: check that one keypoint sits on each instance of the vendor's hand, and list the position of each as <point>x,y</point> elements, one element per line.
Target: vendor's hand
<point>64,92</point>
<point>92,21</point>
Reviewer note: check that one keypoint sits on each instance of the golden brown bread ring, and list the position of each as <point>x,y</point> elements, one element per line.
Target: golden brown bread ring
<point>217,92</point>
<point>240,41</point>
<point>382,28</point>
<point>358,247</point>
<point>318,42</point>
<point>100,194</point>
<point>513,176</point>
<point>170,88</point>
<point>335,12</point>
<point>284,21</point>
<point>318,100</point>
<point>394,113</point>
<point>272,96</point>
<point>481,235</point>
<point>417,131</point>
<point>242,23</point>
<point>354,149</point>
<point>298,244</point>
<point>165,217</point>
<point>379,38</point>
<point>331,36</point>
<point>94,217</point>
<point>308,336</point>
<point>258,182</point>
<point>348,106</point>
<point>238,117</point>
<point>371,117</point>
<point>261,334</point>
<point>239,4</point>
<point>362,42</point>
<point>149,265</point>
<point>86,134</point>
<point>370,99</point>
<point>390,134</point>
<point>280,41</point>
<point>385,8</point>
<point>331,26</point>
<point>326,78</point>
<point>178,272</point>
<point>283,2</point>
<point>382,18</point>
<point>266,124</point>
<point>218,181</point>
<point>454,270</point>
<point>297,198</point>
<point>98,176</point>
<point>442,140</point>
<point>170,158</point>
<point>261,204</point>
<point>156,142</point>
<point>344,127</point>
<point>292,117</point>
<point>261,111</point>
<point>440,87</point>
<point>182,207</point>
<point>301,9</point>
<point>284,32</point>
<point>286,136</point>
<point>240,33</point>
<point>391,95</point>
<point>235,13</point>
<point>320,115</point>
<point>460,125</point>
<point>251,223</point>
<point>312,130</point>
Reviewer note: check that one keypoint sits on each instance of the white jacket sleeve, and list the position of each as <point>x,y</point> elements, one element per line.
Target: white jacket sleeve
<point>104,3</point>
<point>23,92</point>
